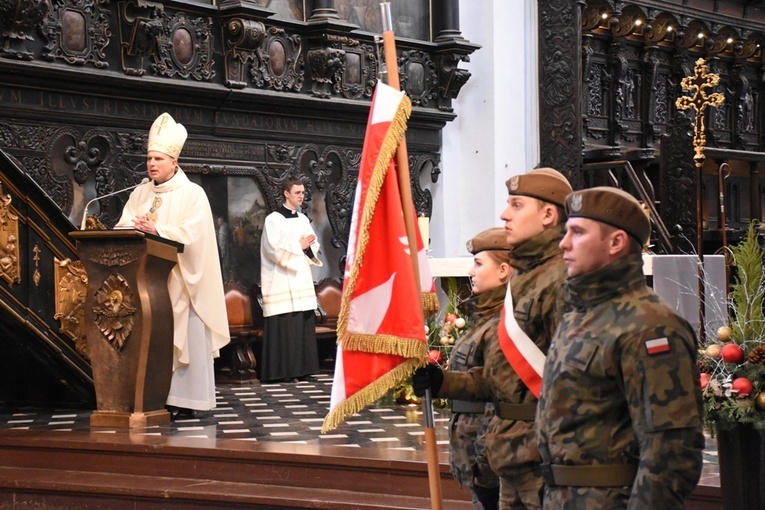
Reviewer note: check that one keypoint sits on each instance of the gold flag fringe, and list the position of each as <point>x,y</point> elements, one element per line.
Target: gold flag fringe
<point>430,303</point>
<point>387,151</point>
<point>376,390</point>
<point>385,344</point>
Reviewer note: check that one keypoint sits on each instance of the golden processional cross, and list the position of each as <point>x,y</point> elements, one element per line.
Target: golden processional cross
<point>699,101</point>
<point>698,83</point>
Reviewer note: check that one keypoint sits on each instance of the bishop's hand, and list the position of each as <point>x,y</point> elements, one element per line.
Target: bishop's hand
<point>144,224</point>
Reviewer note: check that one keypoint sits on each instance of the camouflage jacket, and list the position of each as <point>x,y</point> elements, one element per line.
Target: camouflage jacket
<point>537,287</point>
<point>607,400</point>
<point>467,455</point>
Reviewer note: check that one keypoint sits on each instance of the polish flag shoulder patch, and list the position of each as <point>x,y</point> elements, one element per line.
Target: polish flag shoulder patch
<point>657,346</point>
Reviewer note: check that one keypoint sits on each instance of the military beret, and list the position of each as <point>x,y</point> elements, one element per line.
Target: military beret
<point>546,184</point>
<point>613,207</point>
<point>491,239</point>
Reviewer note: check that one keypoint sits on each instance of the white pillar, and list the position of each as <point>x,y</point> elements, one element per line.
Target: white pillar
<point>496,132</point>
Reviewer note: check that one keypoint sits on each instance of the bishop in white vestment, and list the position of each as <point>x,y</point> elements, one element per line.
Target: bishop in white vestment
<point>173,207</point>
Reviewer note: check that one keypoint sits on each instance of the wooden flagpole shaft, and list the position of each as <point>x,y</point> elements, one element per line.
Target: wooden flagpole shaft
<point>402,157</point>
<point>402,165</point>
<point>434,476</point>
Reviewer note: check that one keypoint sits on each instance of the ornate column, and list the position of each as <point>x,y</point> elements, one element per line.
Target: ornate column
<point>560,87</point>
<point>446,20</point>
<point>324,10</point>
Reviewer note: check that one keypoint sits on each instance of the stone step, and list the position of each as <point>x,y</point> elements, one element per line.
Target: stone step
<point>112,472</point>
<point>54,488</point>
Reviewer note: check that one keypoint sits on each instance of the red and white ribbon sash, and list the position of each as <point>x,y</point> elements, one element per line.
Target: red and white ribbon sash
<point>521,352</point>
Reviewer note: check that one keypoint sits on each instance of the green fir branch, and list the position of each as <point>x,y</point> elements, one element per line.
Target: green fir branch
<point>748,291</point>
<point>723,409</point>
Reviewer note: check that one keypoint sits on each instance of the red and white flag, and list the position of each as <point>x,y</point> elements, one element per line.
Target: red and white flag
<point>381,329</point>
<point>657,346</point>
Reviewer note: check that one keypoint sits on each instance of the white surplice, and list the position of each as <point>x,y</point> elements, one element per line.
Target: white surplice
<point>194,283</point>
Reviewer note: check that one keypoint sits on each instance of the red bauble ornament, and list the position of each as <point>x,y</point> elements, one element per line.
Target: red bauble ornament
<point>732,353</point>
<point>450,318</point>
<point>742,386</point>
<point>435,357</point>
<point>704,380</point>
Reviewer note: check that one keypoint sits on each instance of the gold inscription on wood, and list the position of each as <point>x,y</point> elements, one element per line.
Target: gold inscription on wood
<point>115,310</point>
<point>112,257</point>
<point>72,285</point>
<point>10,269</point>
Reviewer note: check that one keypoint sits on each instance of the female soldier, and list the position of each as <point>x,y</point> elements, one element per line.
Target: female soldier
<point>488,276</point>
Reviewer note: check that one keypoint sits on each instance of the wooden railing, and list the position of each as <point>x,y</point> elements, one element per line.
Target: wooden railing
<point>43,357</point>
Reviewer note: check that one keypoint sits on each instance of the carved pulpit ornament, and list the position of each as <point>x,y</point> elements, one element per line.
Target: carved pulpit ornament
<point>115,310</point>
<point>10,269</point>
<point>699,102</point>
<point>72,285</point>
<point>93,223</point>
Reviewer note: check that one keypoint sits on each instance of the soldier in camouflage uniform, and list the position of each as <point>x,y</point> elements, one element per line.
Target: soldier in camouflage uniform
<point>488,276</point>
<point>619,418</point>
<point>533,225</point>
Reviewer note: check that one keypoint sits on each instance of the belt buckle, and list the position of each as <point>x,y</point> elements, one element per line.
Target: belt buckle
<point>547,474</point>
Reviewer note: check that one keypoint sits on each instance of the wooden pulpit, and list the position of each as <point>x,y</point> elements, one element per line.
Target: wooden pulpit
<point>129,324</point>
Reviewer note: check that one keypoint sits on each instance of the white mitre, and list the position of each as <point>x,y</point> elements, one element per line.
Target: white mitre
<point>167,136</point>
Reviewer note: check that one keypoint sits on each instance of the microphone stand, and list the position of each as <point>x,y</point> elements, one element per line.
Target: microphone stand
<point>85,212</point>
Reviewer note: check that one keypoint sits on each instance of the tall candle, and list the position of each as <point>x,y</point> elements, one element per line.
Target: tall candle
<point>424,223</point>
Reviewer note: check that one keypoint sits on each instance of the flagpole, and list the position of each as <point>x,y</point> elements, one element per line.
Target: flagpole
<point>402,166</point>
<point>402,156</point>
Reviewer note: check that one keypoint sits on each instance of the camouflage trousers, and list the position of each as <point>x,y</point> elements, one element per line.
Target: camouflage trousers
<point>585,498</point>
<point>521,489</point>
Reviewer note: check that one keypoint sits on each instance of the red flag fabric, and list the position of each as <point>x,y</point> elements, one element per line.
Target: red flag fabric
<point>381,329</point>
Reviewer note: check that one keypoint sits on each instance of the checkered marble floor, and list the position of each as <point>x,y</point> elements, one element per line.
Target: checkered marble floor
<point>290,413</point>
<point>282,412</point>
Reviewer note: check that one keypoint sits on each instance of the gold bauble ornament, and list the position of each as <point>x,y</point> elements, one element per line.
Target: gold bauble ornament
<point>759,400</point>
<point>713,351</point>
<point>724,333</point>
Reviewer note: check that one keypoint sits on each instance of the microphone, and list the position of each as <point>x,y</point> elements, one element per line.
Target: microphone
<point>85,212</point>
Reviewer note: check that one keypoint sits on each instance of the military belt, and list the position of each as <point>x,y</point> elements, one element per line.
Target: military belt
<point>602,475</point>
<point>522,412</point>
<point>468,406</point>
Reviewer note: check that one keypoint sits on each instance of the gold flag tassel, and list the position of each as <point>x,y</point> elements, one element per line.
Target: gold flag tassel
<point>430,305</point>
<point>359,400</point>
<point>384,344</point>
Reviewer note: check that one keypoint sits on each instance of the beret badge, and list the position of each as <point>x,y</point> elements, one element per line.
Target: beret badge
<point>514,182</point>
<point>576,202</point>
